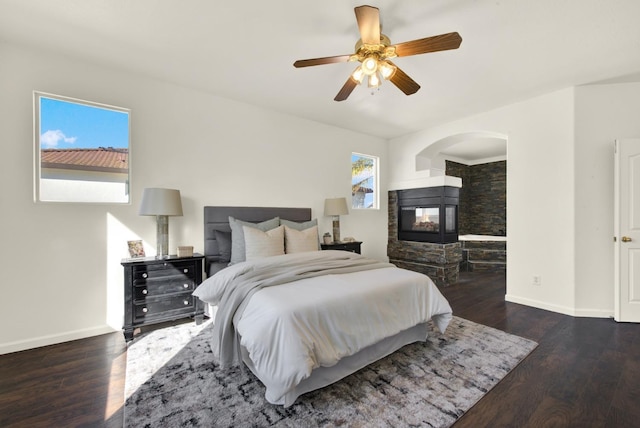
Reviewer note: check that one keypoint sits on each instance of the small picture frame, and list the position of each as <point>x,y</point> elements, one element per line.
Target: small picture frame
<point>136,249</point>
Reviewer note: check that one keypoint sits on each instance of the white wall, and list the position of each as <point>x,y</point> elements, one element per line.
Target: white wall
<point>604,113</point>
<point>61,277</point>
<point>559,190</point>
<point>540,191</point>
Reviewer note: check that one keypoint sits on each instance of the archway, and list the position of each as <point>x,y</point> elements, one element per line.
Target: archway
<point>484,145</point>
<point>478,161</point>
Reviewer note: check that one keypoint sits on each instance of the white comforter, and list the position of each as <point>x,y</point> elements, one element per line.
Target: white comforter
<point>293,328</point>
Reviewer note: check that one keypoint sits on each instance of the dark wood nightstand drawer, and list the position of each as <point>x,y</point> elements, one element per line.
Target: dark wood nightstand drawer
<point>161,288</point>
<point>163,270</point>
<point>153,307</point>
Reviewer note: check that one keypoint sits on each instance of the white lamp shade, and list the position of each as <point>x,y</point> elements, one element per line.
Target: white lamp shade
<point>335,206</point>
<point>156,201</point>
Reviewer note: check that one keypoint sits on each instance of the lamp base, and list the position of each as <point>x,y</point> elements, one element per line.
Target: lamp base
<point>162,237</point>
<point>336,229</point>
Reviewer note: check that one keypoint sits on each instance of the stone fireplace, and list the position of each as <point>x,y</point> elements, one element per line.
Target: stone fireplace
<point>423,232</point>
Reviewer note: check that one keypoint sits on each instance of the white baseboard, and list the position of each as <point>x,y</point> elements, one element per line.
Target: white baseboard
<point>21,345</point>
<point>594,313</point>
<point>574,312</point>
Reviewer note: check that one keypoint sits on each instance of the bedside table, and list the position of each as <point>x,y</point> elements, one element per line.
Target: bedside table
<point>159,290</point>
<point>354,247</point>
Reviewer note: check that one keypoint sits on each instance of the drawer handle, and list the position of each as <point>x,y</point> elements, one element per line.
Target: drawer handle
<point>185,270</point>
<point>186,302</point>
<point>144,275</point>
<point>144,291</point>
<point>145,310</point>
<point>185,285</point>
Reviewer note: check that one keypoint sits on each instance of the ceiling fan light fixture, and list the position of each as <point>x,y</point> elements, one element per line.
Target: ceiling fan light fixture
<point>374,80</point>
<point>358,75</point>
<point>369,66</point>
<point>386,70</point>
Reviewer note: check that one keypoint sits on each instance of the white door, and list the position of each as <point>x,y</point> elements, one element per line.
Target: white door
<point>627,230</point>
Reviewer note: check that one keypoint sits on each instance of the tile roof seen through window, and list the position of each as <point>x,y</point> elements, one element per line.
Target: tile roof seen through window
<point>106,159</point>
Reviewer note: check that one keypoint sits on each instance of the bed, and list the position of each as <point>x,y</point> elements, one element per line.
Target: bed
<point>301,319</point>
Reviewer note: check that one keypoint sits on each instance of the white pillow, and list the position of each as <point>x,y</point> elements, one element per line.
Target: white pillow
<point>263,244</point>
<point>299,241</point>
<point>237,236</point>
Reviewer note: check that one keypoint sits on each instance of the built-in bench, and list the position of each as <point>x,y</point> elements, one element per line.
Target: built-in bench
<point>479,255</point>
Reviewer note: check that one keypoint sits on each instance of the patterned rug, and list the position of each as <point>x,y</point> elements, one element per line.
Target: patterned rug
<point>172,381</point>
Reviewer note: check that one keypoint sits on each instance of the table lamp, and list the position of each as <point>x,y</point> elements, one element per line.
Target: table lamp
<point>336,207</point>
<point>161,203</point>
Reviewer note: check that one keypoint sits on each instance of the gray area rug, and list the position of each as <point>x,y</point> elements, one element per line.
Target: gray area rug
<point>172,381</point>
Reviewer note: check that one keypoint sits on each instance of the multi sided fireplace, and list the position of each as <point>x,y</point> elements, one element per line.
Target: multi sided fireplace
<point>428,214</point>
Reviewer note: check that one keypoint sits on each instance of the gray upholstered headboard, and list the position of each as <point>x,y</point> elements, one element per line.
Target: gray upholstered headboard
<point>217,218</point>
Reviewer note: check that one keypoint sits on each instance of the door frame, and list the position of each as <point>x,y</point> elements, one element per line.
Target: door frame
<point>616,232</point>
<point>626,215</point>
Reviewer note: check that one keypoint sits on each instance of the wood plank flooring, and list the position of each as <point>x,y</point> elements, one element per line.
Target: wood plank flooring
<point>72,384</point>
<point>585,372</point>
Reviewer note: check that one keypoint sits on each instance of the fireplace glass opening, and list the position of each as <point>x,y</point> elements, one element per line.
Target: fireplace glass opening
<point>427,219</point>
<point>451,219</point>
<point>421,219</point>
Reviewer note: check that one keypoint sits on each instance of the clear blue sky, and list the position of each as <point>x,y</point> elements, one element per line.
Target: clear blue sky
<point>65,125</point>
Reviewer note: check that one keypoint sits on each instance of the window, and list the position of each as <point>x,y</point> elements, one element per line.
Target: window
<point>364,181</point>
<point>82,151</point>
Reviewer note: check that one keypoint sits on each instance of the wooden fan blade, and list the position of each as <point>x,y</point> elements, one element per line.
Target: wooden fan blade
<point>405,83</point>
<point>319,61</point>
<point>442,42</point>
<point>346,90</point>
<point>368,18</point>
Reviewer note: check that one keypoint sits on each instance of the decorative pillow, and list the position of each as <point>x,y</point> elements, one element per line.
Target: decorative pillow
<point>299,226</point>
<point>299,241</point>
<point>237,235</point>
<point>302,226</point>
<point>263,244</point>
<point>224,245</point>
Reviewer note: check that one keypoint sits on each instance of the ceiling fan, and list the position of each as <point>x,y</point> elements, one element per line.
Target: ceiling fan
<point>374,50</point>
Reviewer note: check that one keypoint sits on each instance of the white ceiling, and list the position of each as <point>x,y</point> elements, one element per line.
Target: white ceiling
<point>244,50</point>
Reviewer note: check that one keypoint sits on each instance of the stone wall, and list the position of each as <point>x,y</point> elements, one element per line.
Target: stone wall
<point>441,262</point>
<point>483,197</point>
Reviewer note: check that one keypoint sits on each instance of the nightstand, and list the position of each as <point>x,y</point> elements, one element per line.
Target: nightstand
<point>159,290</point>
<point>354,247</point>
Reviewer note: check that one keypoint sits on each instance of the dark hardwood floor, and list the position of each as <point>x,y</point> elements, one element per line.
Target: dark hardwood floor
<point>585,372</point>
<point>72,384</point>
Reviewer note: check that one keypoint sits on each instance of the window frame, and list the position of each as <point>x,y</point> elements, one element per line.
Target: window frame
<point>376,181</point>
<point>37,156</point>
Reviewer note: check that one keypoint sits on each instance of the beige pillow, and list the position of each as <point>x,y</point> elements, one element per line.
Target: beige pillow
<point>263,244</point>
<point>299,241</point>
